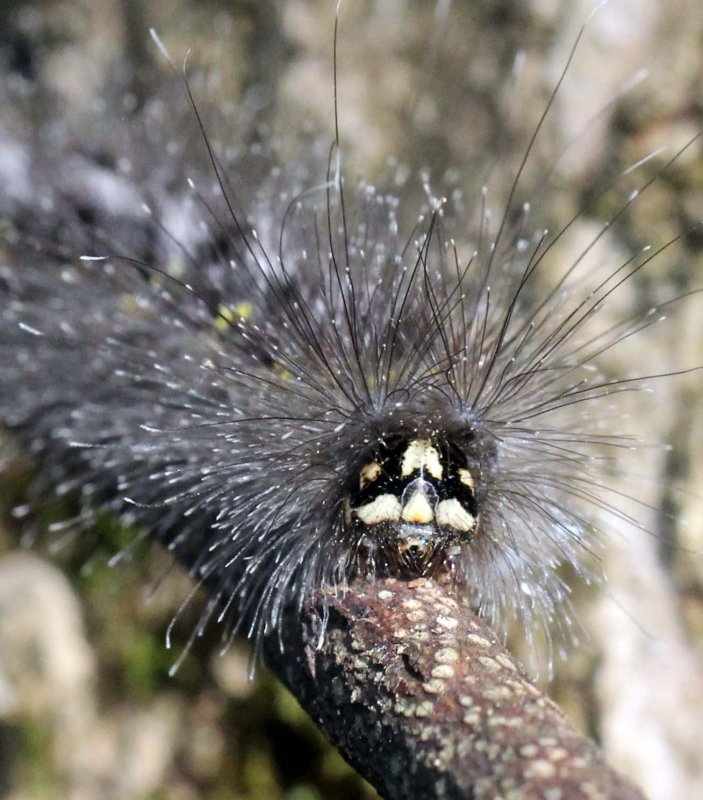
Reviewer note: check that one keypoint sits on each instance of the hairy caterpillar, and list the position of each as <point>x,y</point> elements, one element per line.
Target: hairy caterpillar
<point>496,564</point>
<point>347,398</point>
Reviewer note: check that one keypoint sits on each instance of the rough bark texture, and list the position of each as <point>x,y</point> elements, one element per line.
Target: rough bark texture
<point>423,700</point>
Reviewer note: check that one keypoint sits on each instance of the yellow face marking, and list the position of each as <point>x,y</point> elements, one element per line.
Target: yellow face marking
<point>466,478</point>
<point>369,473</point>
<point>452,514</point>
<point>384,508</point>
<point>421,456</point>
<point>417,509</point>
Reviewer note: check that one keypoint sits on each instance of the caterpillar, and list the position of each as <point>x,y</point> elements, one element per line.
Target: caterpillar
<point>347,399</point>
<point>294,387</point>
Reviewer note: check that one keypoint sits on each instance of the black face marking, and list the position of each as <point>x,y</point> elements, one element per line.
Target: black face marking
<point>414,499</point>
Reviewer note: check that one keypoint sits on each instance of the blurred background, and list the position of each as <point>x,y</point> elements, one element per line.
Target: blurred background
<point>453,90</point>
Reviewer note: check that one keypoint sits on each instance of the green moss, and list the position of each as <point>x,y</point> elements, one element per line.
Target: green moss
<point>36,766</point>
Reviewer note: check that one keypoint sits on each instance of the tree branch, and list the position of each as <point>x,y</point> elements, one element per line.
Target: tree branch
<point>422,699</point>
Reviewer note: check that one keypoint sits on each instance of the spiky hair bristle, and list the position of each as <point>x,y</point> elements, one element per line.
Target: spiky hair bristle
<point>221,359</point>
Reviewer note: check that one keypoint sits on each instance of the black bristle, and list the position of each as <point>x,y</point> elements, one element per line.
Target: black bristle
<point>218,368</point>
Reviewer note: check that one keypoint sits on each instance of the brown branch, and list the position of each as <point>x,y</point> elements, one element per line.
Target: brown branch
<point>422,699</point>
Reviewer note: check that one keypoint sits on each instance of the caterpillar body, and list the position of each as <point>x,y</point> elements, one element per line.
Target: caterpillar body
<point>293,391</point>
<point>289,379</point>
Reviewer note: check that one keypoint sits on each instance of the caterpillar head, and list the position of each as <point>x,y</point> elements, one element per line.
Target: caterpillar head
<point>412,503</point>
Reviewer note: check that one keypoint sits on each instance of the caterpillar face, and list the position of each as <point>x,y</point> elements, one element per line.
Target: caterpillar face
<point>414,500</point>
